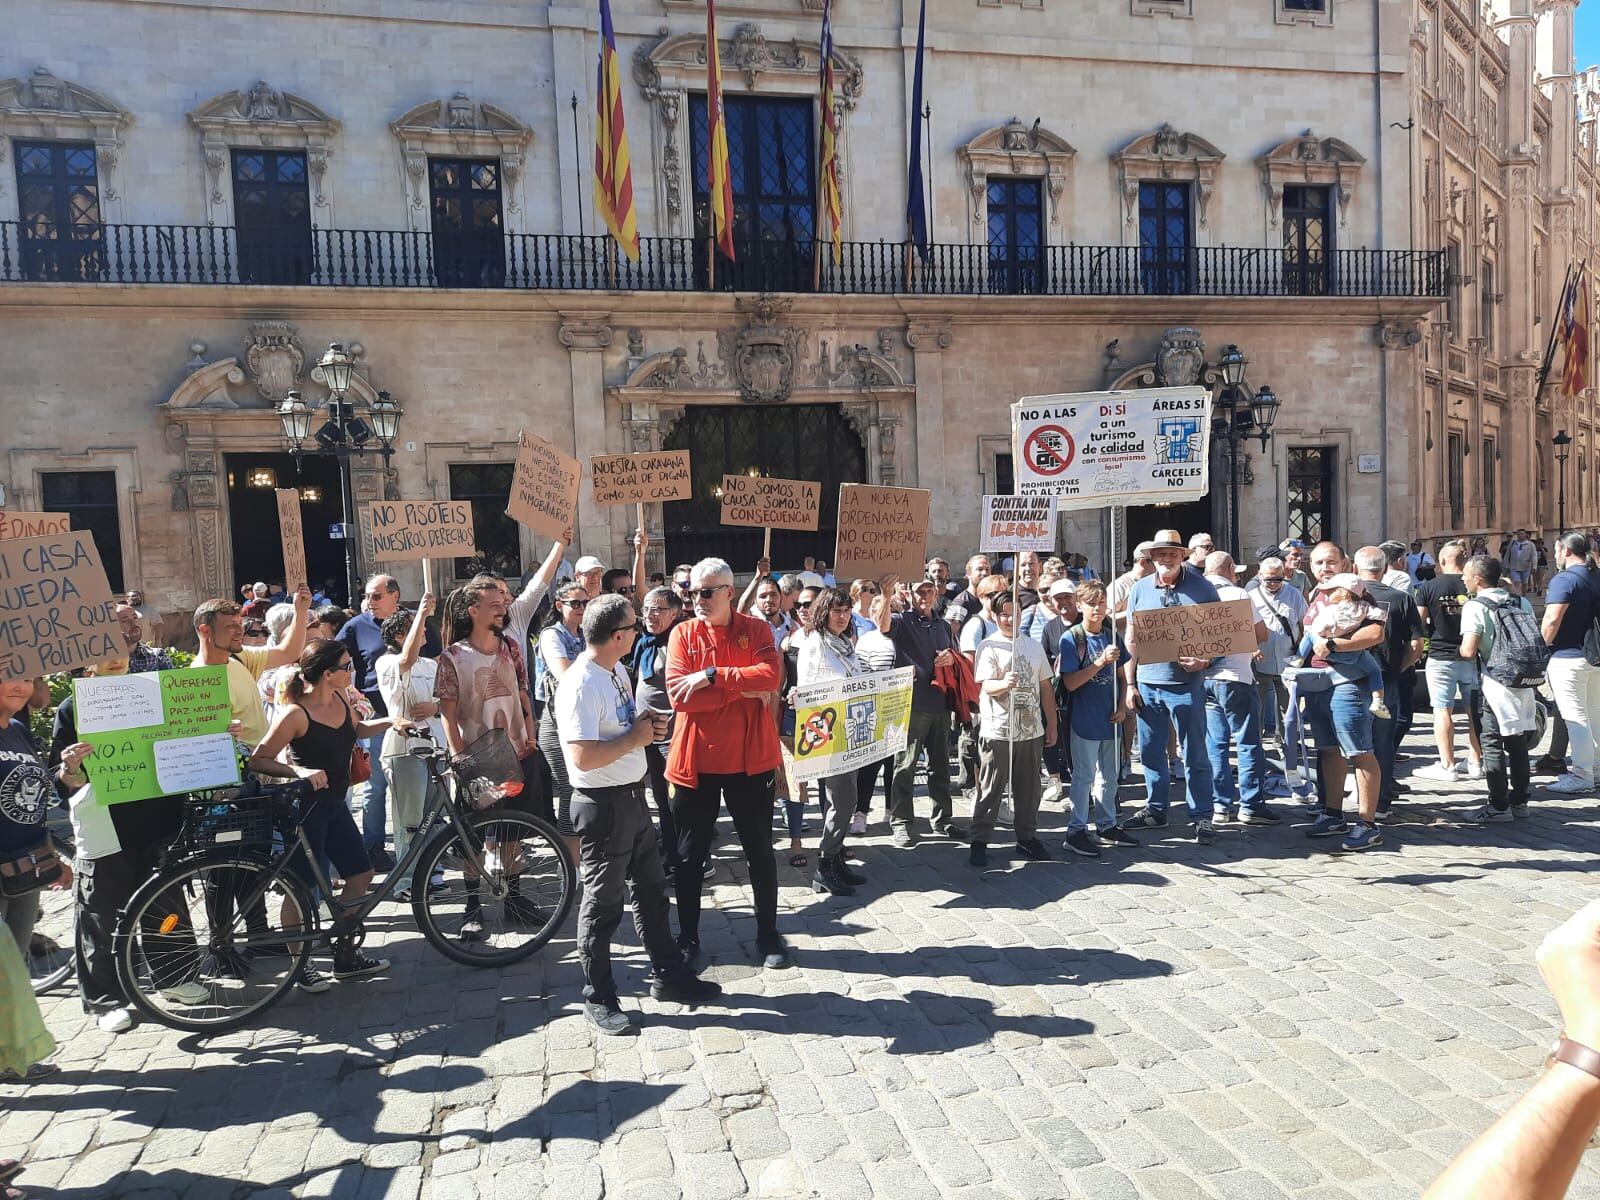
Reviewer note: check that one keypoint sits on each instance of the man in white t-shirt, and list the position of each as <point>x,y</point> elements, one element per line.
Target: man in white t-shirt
<point>1017,720</point>
<point>603,741</point>
<point>1233,716</point>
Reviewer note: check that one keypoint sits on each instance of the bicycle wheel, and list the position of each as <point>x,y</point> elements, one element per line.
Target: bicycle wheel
<point>509,910</point>
<point>50,956</point>
<point>192,955</point>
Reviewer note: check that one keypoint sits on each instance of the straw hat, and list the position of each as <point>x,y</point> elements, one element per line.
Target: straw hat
<point>1167,539</point>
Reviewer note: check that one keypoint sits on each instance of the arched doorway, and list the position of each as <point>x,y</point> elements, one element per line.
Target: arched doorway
<point>788,441</point>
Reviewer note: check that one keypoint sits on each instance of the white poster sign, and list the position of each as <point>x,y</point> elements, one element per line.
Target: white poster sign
<point>193,763</point>
<point>1091,449</point>
<point>113,702</point>
<point>1017,523</point>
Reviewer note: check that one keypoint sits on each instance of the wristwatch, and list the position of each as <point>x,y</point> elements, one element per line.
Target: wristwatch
<point>1574,1054</point>
<point>711,674</point>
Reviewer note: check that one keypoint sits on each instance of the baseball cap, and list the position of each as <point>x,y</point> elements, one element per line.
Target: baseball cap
<point>1063,587</point>
<point>588,563</point>
<point>1266,552</point>
<point>1354,583</point>
<point>1291,544</point>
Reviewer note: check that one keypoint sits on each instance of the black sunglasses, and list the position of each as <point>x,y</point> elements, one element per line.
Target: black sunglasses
<point>707,593</point>
<point>627,628</point>
<point>575,603</point>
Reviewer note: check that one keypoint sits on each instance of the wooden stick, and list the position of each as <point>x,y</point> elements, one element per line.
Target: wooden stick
<point>711,257</point>
<point>766,544</point>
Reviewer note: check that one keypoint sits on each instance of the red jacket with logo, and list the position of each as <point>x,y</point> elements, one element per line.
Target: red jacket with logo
<point>724,728</point>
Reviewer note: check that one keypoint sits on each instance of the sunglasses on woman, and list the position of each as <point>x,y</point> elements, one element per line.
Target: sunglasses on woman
<point>576,603</point>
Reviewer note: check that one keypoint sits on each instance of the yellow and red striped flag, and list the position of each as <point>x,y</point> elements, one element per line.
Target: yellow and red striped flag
<point>719,177</point>
<point>613,172</point>
<point>830,221</point>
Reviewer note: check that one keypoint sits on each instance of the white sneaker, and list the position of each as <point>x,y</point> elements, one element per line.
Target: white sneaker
<point>1438,772</point>
<point>118,1020</point>
<point>1052,791</point>
<point>1569,785</point>
<point>858,823</point>
<point>1460,768</point>
<point>187,993</point>
<point>1474,771</point>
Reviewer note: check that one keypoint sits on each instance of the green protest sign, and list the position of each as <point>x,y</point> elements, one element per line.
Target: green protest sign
<point>156,734</point>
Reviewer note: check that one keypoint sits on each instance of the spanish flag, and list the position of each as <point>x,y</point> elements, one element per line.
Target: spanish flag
<point>829,223</point>
<point>719,179</point>
<point>1573,330</point>
<point>613,173</point>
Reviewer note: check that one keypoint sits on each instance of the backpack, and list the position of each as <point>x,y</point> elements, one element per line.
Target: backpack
<point>1520,655</point>
<point>1591,635</point>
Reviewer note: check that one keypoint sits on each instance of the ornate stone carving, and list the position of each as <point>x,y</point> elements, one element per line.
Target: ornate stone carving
<point>1167,154</point>
<point>764,354</point>
<point>585,331</point>
<point>1310,159</point>
<point>931,335</point>
<point>274,358</point>
<point>1182,354</point>
<point>855,367</point>
<point>669,369</point>
<point>45,106</point>
<point>750,53</point>
<point>1016,149</point>
<point>460,125</point>
<point>1397,334</point>
<point>707,375</point>
<point>261,118</point>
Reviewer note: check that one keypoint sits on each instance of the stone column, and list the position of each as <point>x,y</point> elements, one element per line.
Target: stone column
<point>928,338</point>
<point>1524,339</point>
<point>586,335</point>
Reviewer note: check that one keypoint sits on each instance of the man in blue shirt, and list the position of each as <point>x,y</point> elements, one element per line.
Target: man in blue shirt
<point>1170,694</point>
<point>1569,612</point>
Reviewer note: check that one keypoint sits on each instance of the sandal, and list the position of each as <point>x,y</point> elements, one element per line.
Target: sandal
<point>798,861</point>
<point>10,1168</point>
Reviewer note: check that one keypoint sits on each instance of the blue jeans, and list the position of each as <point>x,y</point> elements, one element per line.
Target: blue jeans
<point>1182,707</point>
<point>1096,765</point>
<point>1233,714</point>
<point>375,810</point>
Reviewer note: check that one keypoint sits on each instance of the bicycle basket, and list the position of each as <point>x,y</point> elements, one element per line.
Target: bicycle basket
<point>241,818</point>
<point>487,772</point>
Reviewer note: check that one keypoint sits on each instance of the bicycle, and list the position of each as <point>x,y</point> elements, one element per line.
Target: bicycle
<point>201,946</point>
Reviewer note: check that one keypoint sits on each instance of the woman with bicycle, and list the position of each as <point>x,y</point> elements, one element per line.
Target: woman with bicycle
<point>319,729</point>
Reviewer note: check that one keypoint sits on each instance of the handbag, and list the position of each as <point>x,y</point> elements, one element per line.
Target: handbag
<point>360,764</point>
<point>38,868</point>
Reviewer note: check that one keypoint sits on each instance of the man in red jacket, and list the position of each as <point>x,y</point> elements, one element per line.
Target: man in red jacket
<point>722,671</point>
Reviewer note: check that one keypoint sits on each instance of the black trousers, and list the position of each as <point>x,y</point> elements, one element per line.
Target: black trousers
<point>694,810</point>
<point>1506,768</point>
<point>617,847</point>
<point>102,888</point>
<point>867,779</point>
<point>661,791</point>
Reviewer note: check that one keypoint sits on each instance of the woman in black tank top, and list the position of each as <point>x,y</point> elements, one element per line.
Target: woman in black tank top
<point>319,731</point>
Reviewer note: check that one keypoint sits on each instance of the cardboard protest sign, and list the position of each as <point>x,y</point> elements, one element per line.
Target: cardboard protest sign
<point>842,724</point>
<point>1195,631</point>
<point>56,610</point>
<point>1018,523</point>
<point>1090,449</point>
<point>544,488</point>
<point>771,503</point>
<point>14,524</point>
<point>293,535</point>
<point>412,530</point>
<point>883,531</point>
<point>157,734</point>
<point>640,478</point>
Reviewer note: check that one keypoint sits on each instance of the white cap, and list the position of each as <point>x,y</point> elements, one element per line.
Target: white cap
<point>1063,587</point>
<point>1352,583</point>
<point>588,563</point>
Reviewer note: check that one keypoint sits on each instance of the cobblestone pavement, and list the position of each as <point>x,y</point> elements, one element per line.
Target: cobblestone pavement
<point>1261,1018</point>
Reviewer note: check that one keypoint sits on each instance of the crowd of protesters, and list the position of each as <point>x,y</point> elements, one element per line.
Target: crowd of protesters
<point>641,709</point>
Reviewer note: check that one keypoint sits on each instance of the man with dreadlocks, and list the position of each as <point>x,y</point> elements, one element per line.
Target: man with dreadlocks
<point>483,685</point>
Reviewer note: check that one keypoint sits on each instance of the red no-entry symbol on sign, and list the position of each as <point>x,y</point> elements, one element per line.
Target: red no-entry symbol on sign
<point>1049,449</point>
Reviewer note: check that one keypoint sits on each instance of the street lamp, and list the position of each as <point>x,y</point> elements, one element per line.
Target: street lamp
<point>1240,413</point>
<point>1561,441</point>
<point>344,434</point>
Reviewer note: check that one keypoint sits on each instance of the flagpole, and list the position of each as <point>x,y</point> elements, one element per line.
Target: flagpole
<point>577,166</point>
<point>1550,345</point>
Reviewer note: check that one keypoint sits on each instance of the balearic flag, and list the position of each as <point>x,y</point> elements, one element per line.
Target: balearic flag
<point>1573,329</point>
<point>719,179</point>
<point>613,172</point>
<point>916,206</point>
<point>830,223</point>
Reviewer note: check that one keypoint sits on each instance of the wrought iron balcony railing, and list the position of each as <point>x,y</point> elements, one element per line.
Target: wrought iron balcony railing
<point>199,254</point>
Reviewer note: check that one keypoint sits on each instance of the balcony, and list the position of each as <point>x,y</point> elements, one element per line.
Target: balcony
<point>208,255</point>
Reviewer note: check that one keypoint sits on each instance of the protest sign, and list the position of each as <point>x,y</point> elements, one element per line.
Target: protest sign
<point>411,530</point>
<point>883,531</point>
<point>640,478</point>
<point>1195,631</point>
<point>1091,449</point>
<point>56,610</point>
<point>842,724</point>
<point>156,734</point>
<point>771,503</point>
<point>14,524</point>
<point>1017,523</point>
<point>544,488</point>
<point>293,535</point>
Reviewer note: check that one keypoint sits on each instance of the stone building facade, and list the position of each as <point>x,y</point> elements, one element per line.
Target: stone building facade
<point>1118,189</point>
<point>1504,179</point>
